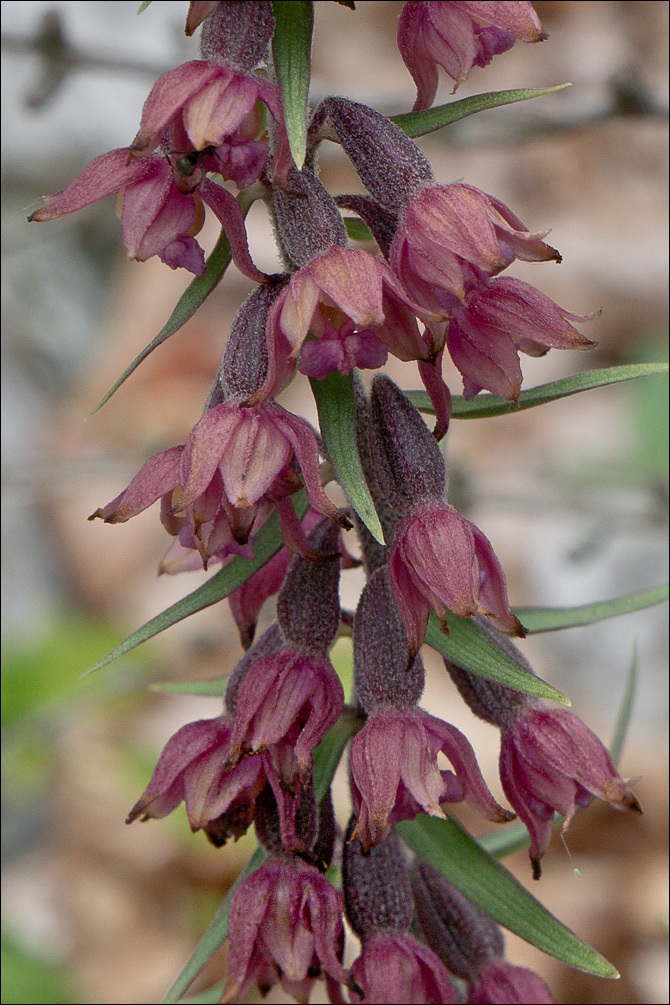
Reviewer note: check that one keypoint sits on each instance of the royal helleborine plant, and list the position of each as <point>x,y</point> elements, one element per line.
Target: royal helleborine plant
<point>416,896</point>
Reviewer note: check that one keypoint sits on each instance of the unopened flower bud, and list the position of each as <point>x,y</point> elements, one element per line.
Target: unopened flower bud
<point>307,220</point>
<point>377,894</point>
<point>237,33</point>
<point>308,607</point>
<point>388,163</point>
<point>382,675</point>
<point>407,460</point>
<point>244,370</point>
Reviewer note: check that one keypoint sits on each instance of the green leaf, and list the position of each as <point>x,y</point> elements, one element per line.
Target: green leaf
<point>143,6</point>
<point>190,300</point>
<point>291,51</point>
<point>447,848</point>
<point>326,759</point>
<point>470,647</point>
<point>212,688</point>
<point>357,231</point>
<point>505,841</point>
<point>335,404</point>
<point>626,710</point>
<point>267,543</point>
<point>209,997</point>
<point>484,406</point>
<point>550,619</point>
<point>421,123</point>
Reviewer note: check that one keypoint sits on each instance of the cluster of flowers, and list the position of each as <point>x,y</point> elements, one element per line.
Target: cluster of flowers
<point>436,284</point>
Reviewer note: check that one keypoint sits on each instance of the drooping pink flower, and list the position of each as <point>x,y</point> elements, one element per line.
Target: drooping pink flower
<point>156,217</point>
<point>441,560</point>
<point>485,336</point>
<point>394,772</point>
<point>285,926</point>
<point>452,238</point>
<point>351,288</point>
<point>500,983</point>
<point>220,799</point>
<point>396,967</point>
<point>458,36</point>
<point>289,696</point>
<point>236,459</point>
<point>551,761</point>
<point>341,350</point>
<point>162,207</point>
<point>211,102</point>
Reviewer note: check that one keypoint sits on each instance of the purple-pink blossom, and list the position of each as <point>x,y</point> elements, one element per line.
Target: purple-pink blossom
<point>394,772</point>
<point>396,967</point>
<point>452,239</point>
<point>442,561</point>
<point>551,761</point>
<point>235,461</point>
<point>285,926</point>
<point>458,36</point>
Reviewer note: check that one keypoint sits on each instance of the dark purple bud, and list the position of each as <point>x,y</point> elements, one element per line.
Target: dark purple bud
<point>267,820</point>
<point>308,606</point>
<point>270,642</point>
<point>381,222</point>
<point>322,850</point>
<point>374,553</point>
<point>390,166</point>
<point>246,358</point>
<point>488,700</point>
<point>377,893</point>
<point>238,32</point>
<point>380,651</point>
<point>307,221</point>
<point>407,460</point>
<point>456,930</point>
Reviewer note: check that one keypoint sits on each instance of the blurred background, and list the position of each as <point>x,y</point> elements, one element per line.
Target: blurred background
<point>573,497</point>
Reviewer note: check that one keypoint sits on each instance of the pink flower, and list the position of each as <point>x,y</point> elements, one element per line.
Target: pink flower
<point>550,761</point>
<point>285,926</point>
<point>458,36</point>
<point>398,968</point>
<point>441,560</point>
<point>500,983</point>
<point>342,350</point>
<point>236,460</point>
<point>345,292</point>
<point>394,772</point>
<point>485,335</point>
<point>194,768</point>
<point>209,102</point>
<point>289,696</point>
<point>162,207</point>
<point>452,238</point>
<point>156,218</point>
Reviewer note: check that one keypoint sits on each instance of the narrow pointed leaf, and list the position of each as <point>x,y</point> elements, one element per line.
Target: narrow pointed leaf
<point>357,231</point>
<point>550,619</point>
<point>469,647</point>
<point>291,52</point>
<point>484,406</point>
<point>626,710</point>
<point>447,848</point>
<point>427,121</point>
<point>267,543</point>
<point>326,758</point>
<point>505,841</point>
<point>335,404</point>
<point>143,6</point>
<point>190,300</point>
